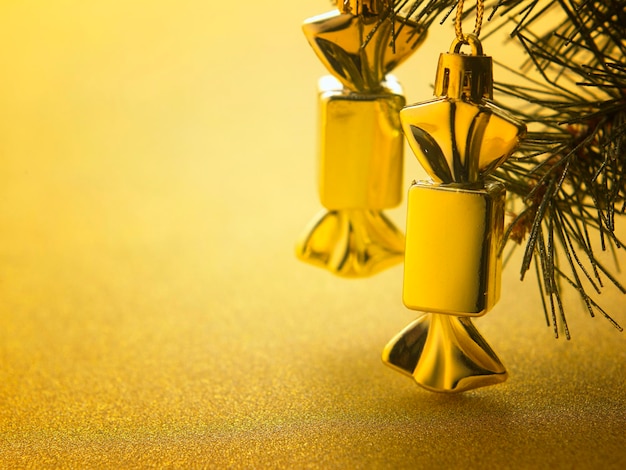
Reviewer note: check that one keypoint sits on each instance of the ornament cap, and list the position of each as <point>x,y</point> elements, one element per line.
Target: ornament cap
<point>363,7</point>
<point>462,76</point>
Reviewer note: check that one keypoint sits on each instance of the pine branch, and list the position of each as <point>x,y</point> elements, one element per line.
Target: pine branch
<point>569,173</point>
<point>567,184</point>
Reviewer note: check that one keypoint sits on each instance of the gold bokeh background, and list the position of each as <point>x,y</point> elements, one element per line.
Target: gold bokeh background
<point>157,163</point>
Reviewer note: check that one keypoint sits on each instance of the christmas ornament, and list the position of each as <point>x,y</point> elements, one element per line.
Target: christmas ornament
<point>454,223</point>
<point>360,140</point>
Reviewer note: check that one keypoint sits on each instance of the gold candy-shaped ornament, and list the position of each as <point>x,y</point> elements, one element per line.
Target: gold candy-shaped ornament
<point>454,225</point>
<point>360,138</point>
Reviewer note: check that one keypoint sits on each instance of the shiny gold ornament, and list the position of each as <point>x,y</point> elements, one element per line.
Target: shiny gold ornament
<point>454,226</point>
<point>360,143</point>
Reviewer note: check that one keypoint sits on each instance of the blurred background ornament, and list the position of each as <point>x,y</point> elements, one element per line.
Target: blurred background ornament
<point>360,139</point>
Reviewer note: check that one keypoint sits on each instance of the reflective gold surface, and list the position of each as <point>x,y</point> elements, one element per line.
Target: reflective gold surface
<point>453,241</point>
<point>360,155</point>
<point>444,353</point>
<point>351,243</point>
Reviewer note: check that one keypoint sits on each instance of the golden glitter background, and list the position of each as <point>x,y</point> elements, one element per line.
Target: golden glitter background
<point>157,163</point>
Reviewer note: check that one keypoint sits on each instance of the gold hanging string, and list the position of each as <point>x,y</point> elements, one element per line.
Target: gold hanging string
<point>458,26</point>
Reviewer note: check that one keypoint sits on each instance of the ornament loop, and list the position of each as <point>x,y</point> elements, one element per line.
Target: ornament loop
<point>470,40</point>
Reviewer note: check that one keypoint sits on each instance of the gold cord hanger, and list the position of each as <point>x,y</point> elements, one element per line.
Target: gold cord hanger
<point>458,21</point>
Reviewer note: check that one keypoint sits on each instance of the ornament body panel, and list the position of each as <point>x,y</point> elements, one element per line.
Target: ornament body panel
<point>361,147</point>
<point>452,260</point>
